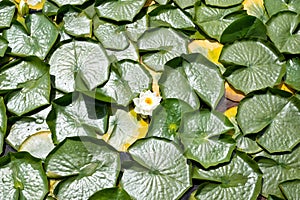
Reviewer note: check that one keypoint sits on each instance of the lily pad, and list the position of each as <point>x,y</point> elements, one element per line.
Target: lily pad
<point>283,30</point>
<point>252,66</point>
<point>86,165</point>
<point>291,189</point>
<point>27,126</point>
<point>69,2</point>
<point>166,119</point>
<point>7,11</point>
<point>185,3</point>
<point>110,35</point>
<point>274,7</point>
<point>223,3</point>
<point>115,193</point>
<point>119,10</point>
<point>77,24</point>
<point>205,78</point>
<point>124,129</point>
<point>77,62</point>
<point>275,116</point>
<point>137,28</point>
<point>3,46</point>
<point>3,123</point>
<point>160,166</point>
<point>204,139</point>
<point>31,81</point>
<point>22,177</point>
<point>240,179</point>
<point>169,16</point>
<point>82,117</point>
<point>130,53</point>
<point>174,84</point>
<point>213,20</point>
<point>166,44</point>
<point>278,168</point>
<point>35,39</point>
<point>293,73</point>
<point>257,9</point>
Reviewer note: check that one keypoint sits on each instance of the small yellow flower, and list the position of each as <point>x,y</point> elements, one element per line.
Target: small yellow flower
<point>146,103</point>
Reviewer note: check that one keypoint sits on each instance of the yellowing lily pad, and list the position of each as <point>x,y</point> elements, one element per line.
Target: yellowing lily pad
<point>232,93</point>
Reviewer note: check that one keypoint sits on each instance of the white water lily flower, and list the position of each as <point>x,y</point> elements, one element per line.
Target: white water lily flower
<point>146,103</point>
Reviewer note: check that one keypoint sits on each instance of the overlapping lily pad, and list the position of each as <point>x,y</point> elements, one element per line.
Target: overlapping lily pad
<point>3,123</point>
<point>7,11</point>
<point>293,73</point>
<point>115,193</point>
<point>77,24</point>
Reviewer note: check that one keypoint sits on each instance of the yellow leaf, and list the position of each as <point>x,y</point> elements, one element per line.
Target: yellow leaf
<point>286,88</point>
<point>256,8</point>
<point>231,112</point>
<point>209,49</point>
<point>232,94</point>
<point>37,6</point>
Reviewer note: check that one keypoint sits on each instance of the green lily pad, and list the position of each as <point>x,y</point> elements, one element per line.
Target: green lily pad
<point>119,10</point>
<point>252,66</point>
<point>137,28</point>
<point>82,117</point>
<point>291,189</point>
<point>3,46</point>
<point>115,193</point>
<point>36,40</point>
<point>86,165</point>
<point>278,168</point>
<point>169,16</point>
<point>166,44</point>
<point>274,7</point>
<point>110,35</point>
<point>22,177</point>
<point>26,127</point>
<point>205,78</point>
<point>124,129</point>
<point>31,81</point>
<point>130,53</point>
<point>77,62</point>
<point>166,119</point>
<point>240,179</point>
<point>3,123</point>
<point>162,2</point>
<point>284,32</point>
<point>256,9</point>
<point>276,116</point>
<point>7,11</point>
<point>213,20</point>
<point>69,2</point>
<point>204,139</point>
<point>185,3</point>
<point>50,9</point>
<point>160,166</point>
<point>293,73</point>
<point>223,3</point>
<point>77,24</point>
<point>242,28</point>
<point>174,84</point>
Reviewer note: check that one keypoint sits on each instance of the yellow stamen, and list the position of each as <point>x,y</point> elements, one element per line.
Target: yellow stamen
<point>148,101</point>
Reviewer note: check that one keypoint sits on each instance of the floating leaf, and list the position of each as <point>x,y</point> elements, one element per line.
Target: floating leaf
<point>293,73</point>
<point>274,7</point>
<point>87,165</point>
<point>115,193</point>
<point>120,10</point>
<point>240,179</point>
<point>3,123</point>
<point>82,117</point>
<point>31,80</point>
<point>174,84</point>
<point>130,53</point>
<point>185,3</point>
<point>276,116</point>
<point>7,11</point>
<point>256,8</point>
<point>284,32</point>
<point>22,177</point>
<point>223,3</point>
<point>166,119</point>
<point>213,20</point>
<point>160,166</point>
<point>170,17</point>
<point>205,78</point>
<point>257,66</point>
<point>77,24</point>
<point>203,137</point>
<point>69,2</point>
<point>124,129</point>
<point>35,39</point>
<point>3,46</point>
<point>79,61</point>
<point>137,28</point>
<point>278,168</point>
<point>291,189</point>
<point>166,43</point>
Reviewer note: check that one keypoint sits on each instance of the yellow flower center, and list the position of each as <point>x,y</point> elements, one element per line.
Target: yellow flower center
<point>148,100</point>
